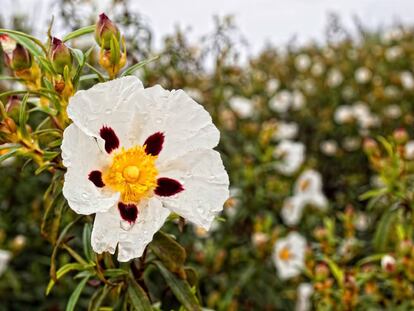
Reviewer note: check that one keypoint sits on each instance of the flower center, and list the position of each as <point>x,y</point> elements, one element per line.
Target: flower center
<point>132,173</point>
<point>285,254</point>
<point>304,185</point>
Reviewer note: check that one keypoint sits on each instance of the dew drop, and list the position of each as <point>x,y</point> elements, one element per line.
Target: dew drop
<point>126,225</point>
<point>108,110</point>
<point>85,195</point>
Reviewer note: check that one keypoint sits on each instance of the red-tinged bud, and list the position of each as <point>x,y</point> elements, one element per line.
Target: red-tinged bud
<point>400,135</point>
<point>321,271</point>
<point>388,263</point>
<point>105,30</point>
<point>19,58</point>
<point>13,108</point>
<point>370,146</point>
<point>60,55</point>
<point>7,44</point>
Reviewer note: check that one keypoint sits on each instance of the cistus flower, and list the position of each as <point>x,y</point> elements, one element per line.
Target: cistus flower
<point>5,257</point>
<point>309,187</point>
<point>291,155</point>
<point>60,56</point>
<point>243,107</point>
<point>105,31</point>
<point>289,255</point>
<point>388,263</point>
<point>133,156</point>
<point>304,294</point>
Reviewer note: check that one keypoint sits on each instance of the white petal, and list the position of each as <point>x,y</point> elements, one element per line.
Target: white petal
<point>111,104</point>
<point>206,186</point>
<point>109,230</point>
<point>81,155</point>
<point>150,219</point>
<point>292,209</point>
<point>186,125</point>
<point>4,260</point>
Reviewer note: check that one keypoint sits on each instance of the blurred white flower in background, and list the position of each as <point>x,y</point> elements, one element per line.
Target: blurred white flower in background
<point>407,80</point>
<point>286,130</point>
<point>291,155</point>
<point>393,111</point>
<point>351,143</point>
<point>289,255</point>
<point>292,209</point>
<point>318,69</point>
<point>388,263</point>
<point>329,147</point>
<point>363,75</point>
<point>5,257</point>
<point>242,106</point>
<point>272,86</point>
<point>309,187</point>
<point>298,100</point>
<point>259,239</point>
<point>393,53</point>
<point>409,150</point>
<point>304,294</point>
<point>281,102</point>
<point>335,78</point>
<point>343,114</point>
<point>302,62</point>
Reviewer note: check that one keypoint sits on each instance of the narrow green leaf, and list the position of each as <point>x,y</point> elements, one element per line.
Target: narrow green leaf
<point>61,272</point>
<point>181,289</point>
<point>382,233</point>
<point>26,40</point>
<point>23,117</point>
<point>79,32</point>
<point>75,295</point>
<point>138,297</point>
<point>336,271</point>
<point>130,70</point>
<point>98,298</point>
<point>171,253</point>
<point>86,238</point>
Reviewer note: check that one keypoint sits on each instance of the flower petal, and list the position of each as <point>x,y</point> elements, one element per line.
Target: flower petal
<point>110,104</point>
<point>150,219</point>
<point>81,155</point>
<point>205,183</point>
<point>185,124</point>
<point>108,230</point>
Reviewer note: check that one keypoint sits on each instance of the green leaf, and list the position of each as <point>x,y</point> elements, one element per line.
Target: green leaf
<point>81,59</point>
<point>8,154</point>
<point>75,295</point>
<point>171,253</point>
<point>86,238</point>
<point>181,289</point>
<point>115,50</point>
<point>138,297</point>
<point>91,76</point>
<point>98,298</point>
<point>23,117</point>
<point>115,272</point>
<point>79,32</point>
<point>382,234</point>
<point>336,271</point>
<point>96,71</point>
<point>130,70</point>
<point>61,272</point>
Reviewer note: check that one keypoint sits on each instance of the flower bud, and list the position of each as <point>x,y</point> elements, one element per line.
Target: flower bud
<point>400,135</point>
<point>105,30</point>
<point>321,271</point>
<point>370,146</point>
<point>13,108</point>
<point>388,263</point>
<point>19,58</point>
<point>60,55</point>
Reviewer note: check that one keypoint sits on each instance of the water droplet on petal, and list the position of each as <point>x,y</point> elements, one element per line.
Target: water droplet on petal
<point>126,225</point>
<point>108,110</point>
<point>85,195</point>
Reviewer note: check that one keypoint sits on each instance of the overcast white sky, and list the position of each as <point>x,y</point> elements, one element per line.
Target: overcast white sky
<point>259,20</point>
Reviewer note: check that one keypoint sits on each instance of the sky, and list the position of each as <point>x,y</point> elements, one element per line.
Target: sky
<point>260,21</point>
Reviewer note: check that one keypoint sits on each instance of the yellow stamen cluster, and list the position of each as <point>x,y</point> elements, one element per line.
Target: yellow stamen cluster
<point>285,254</point>
<point>132,173</point>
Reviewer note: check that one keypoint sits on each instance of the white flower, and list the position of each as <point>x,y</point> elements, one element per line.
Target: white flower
<point>272,86</point>
<point>351,143</point>
<point>329,147</point>
<point>292,209</point>
<point>334,78</point>
<point>286,130</point>
<point>393,53</point>
<point>243,107</point>
<point>303,302</point>
<point>388,263</point>
<point>281,102</point>
<point>135,155</point>
<point>407,80</point>
<point>298,100</point>
<point>291,154</point>
<point>318,69</point>
<point>393,111</point>
<point>343,114</point>
<point>5,257</point>
<point>289,255</point>
<point>362,221</point>
<point>409,150</point>
<point>302,62</point>
<point>363,75</point>
<point>309,187</point>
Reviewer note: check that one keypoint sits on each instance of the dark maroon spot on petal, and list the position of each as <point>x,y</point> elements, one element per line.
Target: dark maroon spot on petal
<point>167,187</point>
<point>111,140</point>
<point>153,144</point>
<point>96,178</point>
<point>129,212</point>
